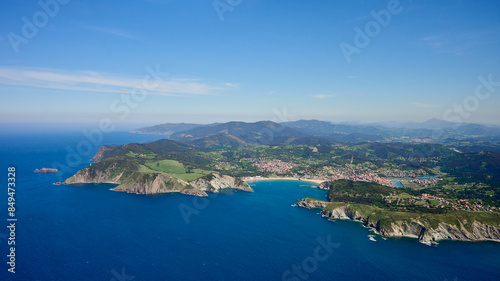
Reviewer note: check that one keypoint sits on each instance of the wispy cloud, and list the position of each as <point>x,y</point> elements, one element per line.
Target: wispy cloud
<point>459,43</point>
<point>107,30</point>
<point>322,96</point>
<point>91,81</point>
<point>352,77</point>
<point>364,17</point>
<point>231,85</point>
<point>424,105</point>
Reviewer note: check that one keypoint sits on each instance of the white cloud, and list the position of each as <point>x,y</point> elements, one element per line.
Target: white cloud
<point>108,30</point>
<point>425,105</point>
<point>322,96</point>
<point>459,43</point>
<point>231,85</point>
<point>91,81</point>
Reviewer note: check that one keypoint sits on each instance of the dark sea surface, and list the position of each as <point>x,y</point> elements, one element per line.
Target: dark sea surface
<point>88,232</point>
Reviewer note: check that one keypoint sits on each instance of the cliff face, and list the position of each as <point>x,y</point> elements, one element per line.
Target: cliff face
<point>416,228</point>
<point>312,204</point>
<point>425,233</point>
<point>478,232</point>
<point>216,182</point>
<point>88,176</point>
<point>102,150</point>
<point>141,183</point>
<point>325,185</point>
<point>153,183</point>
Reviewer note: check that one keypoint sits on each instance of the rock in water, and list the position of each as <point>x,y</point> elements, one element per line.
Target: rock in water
<point>46,170</point>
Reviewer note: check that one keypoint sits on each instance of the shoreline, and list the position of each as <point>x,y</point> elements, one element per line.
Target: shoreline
<point>426,235</point>
<point>284,178</point>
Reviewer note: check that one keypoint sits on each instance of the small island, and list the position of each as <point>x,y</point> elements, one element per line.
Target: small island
<point>46,170</point>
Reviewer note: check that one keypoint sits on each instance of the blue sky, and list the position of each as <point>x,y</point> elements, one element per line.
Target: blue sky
<point>257,60</point>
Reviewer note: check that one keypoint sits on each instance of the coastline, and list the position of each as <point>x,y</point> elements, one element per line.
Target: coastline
<point>414,227</point>
<point>252,179</point>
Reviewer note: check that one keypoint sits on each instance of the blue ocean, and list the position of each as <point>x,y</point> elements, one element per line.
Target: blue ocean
<point>88,232</point>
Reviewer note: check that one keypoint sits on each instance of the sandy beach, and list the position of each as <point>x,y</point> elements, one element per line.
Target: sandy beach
<point>277,178</point>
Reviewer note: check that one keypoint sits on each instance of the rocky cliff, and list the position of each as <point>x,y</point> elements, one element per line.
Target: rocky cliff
<point>102,150</point>
<point>133,181</point>
<point>215,183</point>
<point>310,203</point>
<point>325,185</point>
<point>426,229</point>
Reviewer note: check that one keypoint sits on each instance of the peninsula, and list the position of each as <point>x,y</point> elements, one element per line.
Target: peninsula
<point>148,172</point>
<point>376,206</point>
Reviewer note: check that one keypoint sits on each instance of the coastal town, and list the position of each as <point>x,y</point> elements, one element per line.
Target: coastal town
<point>432,201</point>
<point>274,166</point>
<point>422,182</point>
<point>332,173</point>
<point>361,172</point>
<point>408,178</point>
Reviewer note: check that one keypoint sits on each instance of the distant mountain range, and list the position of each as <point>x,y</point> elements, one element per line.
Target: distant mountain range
<point>431,124</point>
<point>312,132</point>
<point>166,129</point>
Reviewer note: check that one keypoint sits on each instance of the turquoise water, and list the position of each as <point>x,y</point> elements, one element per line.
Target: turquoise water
<point>88,232</point>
